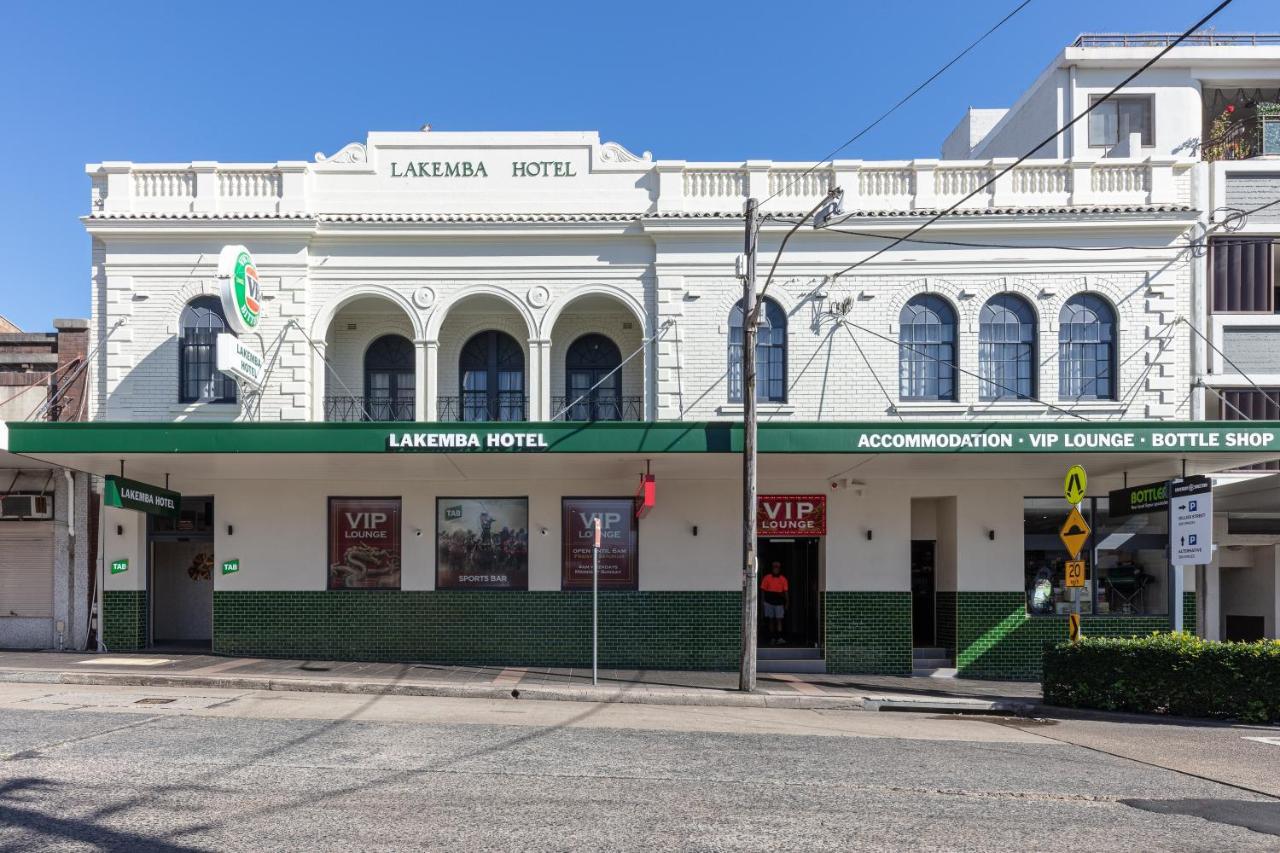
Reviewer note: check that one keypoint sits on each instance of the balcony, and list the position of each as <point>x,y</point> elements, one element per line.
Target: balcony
<point>344,408</point>
<point>483,406</point>
<point>1241,123</point>
<point>599,408</point>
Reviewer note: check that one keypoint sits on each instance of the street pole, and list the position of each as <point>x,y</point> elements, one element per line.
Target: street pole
<point>747,654</point>
<point>595,605</point>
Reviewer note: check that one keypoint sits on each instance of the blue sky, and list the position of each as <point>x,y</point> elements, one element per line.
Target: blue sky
<point>265,81</point>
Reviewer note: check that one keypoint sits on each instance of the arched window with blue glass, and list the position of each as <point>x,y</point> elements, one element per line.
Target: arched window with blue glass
<point>1007,349</point>
<point>1087,349</point>
<point>927,351</point>
<point>771,354</point>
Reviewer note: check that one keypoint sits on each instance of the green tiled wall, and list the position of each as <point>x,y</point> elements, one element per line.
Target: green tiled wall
<point>868,632</point>
<point>662,630</point>
<point>995,638</point>
<point>124,619</point>
<point>944,608</point>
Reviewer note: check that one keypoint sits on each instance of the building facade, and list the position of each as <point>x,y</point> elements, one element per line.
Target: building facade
<point>473,342</point>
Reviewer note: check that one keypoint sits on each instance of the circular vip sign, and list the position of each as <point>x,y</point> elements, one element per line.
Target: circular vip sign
<point>240,288</point>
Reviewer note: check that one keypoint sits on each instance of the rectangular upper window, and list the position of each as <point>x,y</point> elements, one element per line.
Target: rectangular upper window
<point>1243,274</point>
<point>1117,117</point>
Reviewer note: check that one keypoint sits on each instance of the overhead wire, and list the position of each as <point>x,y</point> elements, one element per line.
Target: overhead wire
<point>917,90</point>
<point>1050,138</point>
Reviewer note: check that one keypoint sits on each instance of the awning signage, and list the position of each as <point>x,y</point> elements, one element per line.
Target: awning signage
<point>1147,498</point>
<point>1259,438</point>
<point>142,497</point>
<point>791,515</point>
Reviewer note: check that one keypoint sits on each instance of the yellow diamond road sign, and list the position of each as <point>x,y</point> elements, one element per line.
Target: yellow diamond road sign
<point>1074,485</point>
<point>1074,532</point>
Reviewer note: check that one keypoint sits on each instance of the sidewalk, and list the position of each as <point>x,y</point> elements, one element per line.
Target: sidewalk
<point>654,687</point>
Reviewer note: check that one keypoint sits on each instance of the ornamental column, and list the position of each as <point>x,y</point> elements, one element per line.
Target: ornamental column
<point>430,381</point>
<point>420,380</point>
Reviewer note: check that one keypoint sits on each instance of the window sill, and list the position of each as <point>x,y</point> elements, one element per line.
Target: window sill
<point>1084,407</point>
<point>930,407</point>
<point>204,409</point>
<point>761,408</point>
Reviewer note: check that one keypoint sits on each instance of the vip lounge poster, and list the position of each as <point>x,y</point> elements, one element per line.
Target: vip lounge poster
<point>482,543</point>
<point>364,543</point>
<point>619,559</point>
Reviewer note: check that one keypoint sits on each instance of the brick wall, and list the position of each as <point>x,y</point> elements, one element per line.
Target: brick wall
<point>868,632</point>
<point>124,619</point>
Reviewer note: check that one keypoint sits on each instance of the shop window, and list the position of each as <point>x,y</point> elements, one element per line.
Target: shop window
<point>771,354</point>
<point>1244,275</point>
<point>199,379</point>
<point>1125,569</point>
<point>1115,118</point>
<point>1007,349</point>
<point>927,353</point>
<point>1086,349</point>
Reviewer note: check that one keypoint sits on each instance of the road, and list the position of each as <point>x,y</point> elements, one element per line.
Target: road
<point>167,769</point>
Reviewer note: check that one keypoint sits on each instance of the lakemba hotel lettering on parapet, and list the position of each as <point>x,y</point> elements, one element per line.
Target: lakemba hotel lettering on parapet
<point>478,169</point>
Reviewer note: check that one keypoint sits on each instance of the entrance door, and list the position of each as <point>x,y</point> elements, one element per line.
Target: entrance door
<point>802,622</point>
<point>181,576</point>
<point>923,583</point>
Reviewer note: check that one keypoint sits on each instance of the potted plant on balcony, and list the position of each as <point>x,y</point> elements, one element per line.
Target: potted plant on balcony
<point>1229,137</point>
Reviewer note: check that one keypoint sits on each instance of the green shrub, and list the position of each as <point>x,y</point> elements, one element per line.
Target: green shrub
<point>1177,674</point>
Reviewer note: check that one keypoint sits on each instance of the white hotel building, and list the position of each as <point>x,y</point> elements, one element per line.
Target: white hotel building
<point>582,297</point>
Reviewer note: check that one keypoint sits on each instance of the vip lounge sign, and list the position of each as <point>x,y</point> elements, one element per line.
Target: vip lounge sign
<point>619,541</point>
<point>791,515</point>
<point>240,289</point>
<point>141,497</point>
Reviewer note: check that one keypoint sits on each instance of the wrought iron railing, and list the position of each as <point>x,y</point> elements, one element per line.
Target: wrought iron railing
<point>599,408</point>
<point>483,406</point>
<point>367,409</point>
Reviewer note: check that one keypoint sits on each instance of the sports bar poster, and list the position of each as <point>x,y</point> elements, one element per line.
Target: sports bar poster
<point>619,540</point>
<point>364,543</point>
<point>482,543</point>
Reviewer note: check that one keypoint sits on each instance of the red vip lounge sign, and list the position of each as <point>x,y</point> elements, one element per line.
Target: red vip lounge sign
<point>791,515</point>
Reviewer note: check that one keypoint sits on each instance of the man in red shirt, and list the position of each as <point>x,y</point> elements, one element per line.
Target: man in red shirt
<point>774,591</point>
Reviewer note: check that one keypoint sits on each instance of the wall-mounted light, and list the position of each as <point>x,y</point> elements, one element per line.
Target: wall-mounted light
<point>868,535</point>
<point>119,529</point>
<point>695,530</point>
<point>417,531</point>
<point>991,534</point>
<point>231,530</point>
<point>542,530</point>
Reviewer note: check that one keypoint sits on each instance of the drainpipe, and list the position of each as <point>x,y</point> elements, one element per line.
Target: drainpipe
<point>71,557</point>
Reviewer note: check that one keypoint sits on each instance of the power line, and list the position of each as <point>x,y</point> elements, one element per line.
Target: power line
<point>1074,120</point>
<point>900,102</point>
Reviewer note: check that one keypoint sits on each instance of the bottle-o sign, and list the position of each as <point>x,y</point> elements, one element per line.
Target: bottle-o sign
<point>240,288</point>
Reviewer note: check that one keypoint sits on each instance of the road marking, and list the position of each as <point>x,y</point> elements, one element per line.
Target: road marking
<point>798,684</point>
<point>1274,741</point>
<point>510,676</point>
<point>117,661</point>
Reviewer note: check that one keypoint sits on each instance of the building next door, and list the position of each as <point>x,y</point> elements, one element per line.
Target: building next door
<point>180,576</point>
<point>802,621</point>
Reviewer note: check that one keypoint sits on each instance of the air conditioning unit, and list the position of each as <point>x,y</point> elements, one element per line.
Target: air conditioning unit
<point>25,507</point>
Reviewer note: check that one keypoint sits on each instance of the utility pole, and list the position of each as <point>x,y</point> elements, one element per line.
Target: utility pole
<point>747,654</point>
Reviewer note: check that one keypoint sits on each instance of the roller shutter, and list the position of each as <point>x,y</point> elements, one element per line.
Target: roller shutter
<point>26,570</point>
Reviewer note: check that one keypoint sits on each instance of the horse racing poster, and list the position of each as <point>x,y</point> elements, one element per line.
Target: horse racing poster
<point>482,543</point>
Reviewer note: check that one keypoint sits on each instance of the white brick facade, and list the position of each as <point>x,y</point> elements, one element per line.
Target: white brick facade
<point>640,251</point>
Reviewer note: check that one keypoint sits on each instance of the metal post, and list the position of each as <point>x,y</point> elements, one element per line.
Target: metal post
<point>747,654</point>
<point>1173,578</point>
<point>595,605</point>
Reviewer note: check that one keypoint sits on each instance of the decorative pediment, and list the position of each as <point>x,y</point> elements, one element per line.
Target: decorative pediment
<point>612,152</point>
<point>353,152</point>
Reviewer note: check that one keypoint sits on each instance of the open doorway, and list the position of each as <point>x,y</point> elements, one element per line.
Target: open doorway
<point>802,619</point>
<point>181,576</point>
<point>923,590</point>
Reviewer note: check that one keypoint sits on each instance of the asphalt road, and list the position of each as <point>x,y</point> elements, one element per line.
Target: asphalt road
<point>123,769</point>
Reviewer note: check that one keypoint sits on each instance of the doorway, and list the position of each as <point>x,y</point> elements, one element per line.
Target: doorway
<point>923,588</point>
<point>802,623</point>
<point>180,576</point>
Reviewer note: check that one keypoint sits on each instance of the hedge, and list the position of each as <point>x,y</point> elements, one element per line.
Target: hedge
<point>1177,674</point>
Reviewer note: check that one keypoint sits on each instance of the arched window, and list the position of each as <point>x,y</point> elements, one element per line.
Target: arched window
<point>199,379</point>
<point>771,354</point>
<point>491,378</point>
<point>591,373</point>
<point>1087,349</point>
<point>389,379</point>
<point>1007,349</point>
<point>927,356</point>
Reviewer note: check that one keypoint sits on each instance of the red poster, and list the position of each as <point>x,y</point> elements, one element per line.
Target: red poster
<point>619,558</point>
<point>791,515</point>
<point>364,543</point>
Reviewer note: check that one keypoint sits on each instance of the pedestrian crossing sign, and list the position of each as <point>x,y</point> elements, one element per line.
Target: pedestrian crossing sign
<point>1074,485</point>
